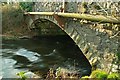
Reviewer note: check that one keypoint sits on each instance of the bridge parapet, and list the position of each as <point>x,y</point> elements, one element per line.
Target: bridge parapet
<point>102,8</point>
<point>47,6</point>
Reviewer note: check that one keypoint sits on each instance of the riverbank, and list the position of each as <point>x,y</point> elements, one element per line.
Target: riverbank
<point>15,24</point>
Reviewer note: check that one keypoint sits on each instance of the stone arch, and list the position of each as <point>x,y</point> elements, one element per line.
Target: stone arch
<point>71,34</point>
<point>95,43</point>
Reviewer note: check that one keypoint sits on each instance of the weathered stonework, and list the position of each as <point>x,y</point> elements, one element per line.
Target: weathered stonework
<point>97,46</point>
<point>97,42</point>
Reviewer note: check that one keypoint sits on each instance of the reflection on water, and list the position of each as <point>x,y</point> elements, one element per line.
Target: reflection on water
<point>40,54</point>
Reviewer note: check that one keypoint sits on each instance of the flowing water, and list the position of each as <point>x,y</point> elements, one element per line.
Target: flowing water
<point>40,54</point>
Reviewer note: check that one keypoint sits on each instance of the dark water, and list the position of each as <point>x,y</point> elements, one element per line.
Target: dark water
<point>41,53</point>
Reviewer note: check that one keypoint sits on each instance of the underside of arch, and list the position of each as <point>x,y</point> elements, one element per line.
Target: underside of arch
<point>71,32</point>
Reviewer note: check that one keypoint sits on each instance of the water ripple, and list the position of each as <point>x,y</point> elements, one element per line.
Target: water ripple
<point>31,56</point>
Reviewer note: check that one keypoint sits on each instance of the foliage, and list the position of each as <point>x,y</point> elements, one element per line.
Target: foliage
<point>22,75</point>
<point>85,78</point>
<point>27,6</point>
<point>99,74</point>
<point>114,76</point>
<point>118,55</point>
<point>95,75</point>
<point>102,75</point>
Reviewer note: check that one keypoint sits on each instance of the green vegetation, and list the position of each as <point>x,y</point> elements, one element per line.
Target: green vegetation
<point>27,6</point>
<point>99,74</point>
<point>22,75</point>
<point>118,56</point>
<point>102,75</point>
<point>114,76</point>
<point>95,75</point>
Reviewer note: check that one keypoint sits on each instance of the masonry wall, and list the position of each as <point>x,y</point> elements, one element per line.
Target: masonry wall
<point>99,45</point>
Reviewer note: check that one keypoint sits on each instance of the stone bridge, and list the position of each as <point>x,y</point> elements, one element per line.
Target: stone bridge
<point>98,41</point>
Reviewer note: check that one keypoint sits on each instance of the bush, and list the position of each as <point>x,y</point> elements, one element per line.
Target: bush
<point>99,74</point>
<point>114,76</point>
<point>102,75</point>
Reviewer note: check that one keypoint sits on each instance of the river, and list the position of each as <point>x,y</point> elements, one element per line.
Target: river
<point>40,54</point>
